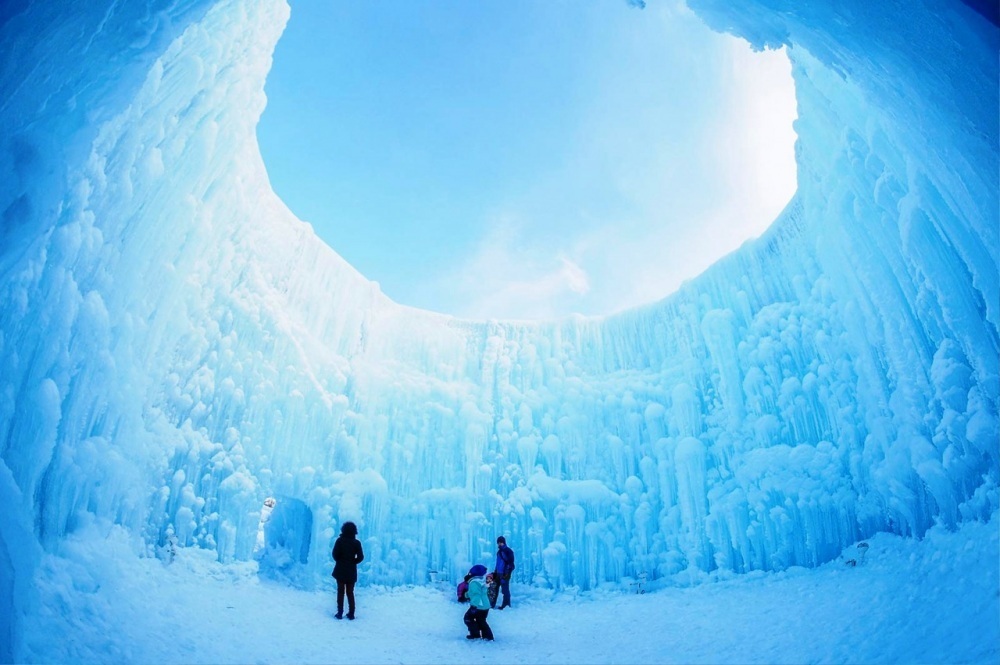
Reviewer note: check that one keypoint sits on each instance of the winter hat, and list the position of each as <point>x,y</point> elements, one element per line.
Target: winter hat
<point>477,570</point>
<point>501,540</point>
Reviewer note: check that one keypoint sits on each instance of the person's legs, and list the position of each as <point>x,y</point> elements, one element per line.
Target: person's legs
<point>505,590</point>
<point>484,628</point>
<point>340,599</point>
<point>350,599</point>
<point>471,623</point>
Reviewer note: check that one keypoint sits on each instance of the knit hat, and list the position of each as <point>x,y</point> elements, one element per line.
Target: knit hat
<point>501,539</point>
<point>477,570</point>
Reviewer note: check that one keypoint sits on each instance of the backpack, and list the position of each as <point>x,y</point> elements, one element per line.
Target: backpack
<point>463,592</point>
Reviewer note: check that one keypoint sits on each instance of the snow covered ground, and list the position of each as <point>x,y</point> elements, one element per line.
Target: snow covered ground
<point>930,601</point>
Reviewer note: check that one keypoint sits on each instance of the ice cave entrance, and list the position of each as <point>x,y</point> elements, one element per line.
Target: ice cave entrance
<point>284,533</point>
<point>527,162</point>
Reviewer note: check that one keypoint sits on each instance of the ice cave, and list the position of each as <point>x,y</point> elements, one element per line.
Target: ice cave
<point>176,348</point>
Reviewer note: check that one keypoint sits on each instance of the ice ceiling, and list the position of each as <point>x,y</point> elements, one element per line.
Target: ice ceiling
<point>176,347</point>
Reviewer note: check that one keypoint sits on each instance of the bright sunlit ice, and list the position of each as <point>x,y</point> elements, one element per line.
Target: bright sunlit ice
<point>526,160</point>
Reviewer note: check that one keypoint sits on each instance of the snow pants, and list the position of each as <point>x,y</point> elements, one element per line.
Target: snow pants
<point>348,589</point>
<point>475,620</point>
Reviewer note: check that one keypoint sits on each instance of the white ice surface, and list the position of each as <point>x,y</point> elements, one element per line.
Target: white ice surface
<point>179,347</point>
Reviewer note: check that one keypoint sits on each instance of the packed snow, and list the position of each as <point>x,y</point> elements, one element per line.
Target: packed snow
<point>182,358</point>
<point>903,601</point>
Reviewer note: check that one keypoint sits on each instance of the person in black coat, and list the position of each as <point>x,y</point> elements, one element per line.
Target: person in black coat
<point>347,554</point>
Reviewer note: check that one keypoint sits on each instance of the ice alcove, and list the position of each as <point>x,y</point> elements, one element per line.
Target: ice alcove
<point>286,533</point>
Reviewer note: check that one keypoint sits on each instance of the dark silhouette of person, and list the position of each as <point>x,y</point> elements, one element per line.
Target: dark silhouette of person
<point>347,554</point>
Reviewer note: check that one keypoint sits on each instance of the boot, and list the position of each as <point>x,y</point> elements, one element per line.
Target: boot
<point>339,614</point>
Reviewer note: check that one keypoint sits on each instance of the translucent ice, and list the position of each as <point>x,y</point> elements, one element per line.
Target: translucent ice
<point>176,347</point>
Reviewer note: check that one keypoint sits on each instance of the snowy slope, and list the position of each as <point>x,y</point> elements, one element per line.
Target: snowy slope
<point>177,347</point>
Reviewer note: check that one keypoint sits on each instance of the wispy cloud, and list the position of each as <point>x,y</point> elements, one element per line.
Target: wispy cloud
<point>675,164</point>
<point>675,225</point>
<point>509,276</point>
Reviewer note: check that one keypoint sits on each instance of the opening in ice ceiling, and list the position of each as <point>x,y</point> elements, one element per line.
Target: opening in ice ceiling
<point>524,161</point>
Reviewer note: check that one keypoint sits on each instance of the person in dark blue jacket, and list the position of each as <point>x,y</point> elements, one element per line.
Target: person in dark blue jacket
<point>504,567</point>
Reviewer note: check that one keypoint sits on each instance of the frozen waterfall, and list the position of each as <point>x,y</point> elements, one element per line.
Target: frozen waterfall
<point>176,347</point>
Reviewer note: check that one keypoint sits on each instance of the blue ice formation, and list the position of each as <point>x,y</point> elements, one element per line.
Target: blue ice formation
<point>176,347</point>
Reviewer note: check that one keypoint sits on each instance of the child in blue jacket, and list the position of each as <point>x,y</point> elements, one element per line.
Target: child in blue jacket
<point>475,617</point>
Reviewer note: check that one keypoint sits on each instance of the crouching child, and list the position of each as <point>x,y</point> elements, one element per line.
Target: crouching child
<point>475,617</point>
<point>462,590</point>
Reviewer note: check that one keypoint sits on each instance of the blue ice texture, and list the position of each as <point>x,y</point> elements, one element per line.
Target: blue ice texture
<point>176,347</point>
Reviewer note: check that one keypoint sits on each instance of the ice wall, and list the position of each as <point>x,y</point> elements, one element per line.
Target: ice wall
<point>177,347</point>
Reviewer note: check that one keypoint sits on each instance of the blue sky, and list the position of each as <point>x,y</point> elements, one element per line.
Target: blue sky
<point>525,159</point>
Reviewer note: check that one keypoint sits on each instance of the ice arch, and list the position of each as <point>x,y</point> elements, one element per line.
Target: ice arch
<point>175,346</point>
